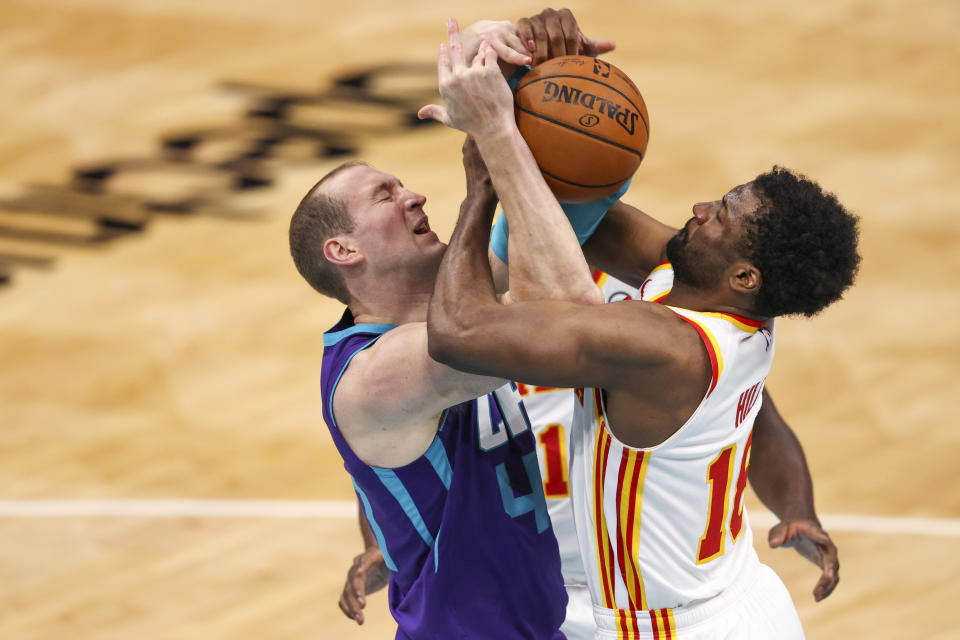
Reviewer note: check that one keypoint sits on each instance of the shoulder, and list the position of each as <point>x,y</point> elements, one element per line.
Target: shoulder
<point>395,384</point>
<point>381,365</point>
<point>636,333</point>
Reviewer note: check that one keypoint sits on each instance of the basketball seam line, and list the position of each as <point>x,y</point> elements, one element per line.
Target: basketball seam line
<point>625,96</point>
<point>586,133</point>
<point>577,184</point>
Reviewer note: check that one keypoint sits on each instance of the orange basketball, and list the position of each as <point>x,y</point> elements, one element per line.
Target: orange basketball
<point>585,122</point>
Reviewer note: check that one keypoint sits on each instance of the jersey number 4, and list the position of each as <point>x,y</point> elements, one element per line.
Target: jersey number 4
<point>719,474</point>
<point>515,422</point>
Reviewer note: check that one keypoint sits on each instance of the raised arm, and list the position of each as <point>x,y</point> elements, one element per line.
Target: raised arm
<point>549,34</point>
<point>549,342</point>
<point>780,477</point>
<point>478,101</point>
<point>628,243</point>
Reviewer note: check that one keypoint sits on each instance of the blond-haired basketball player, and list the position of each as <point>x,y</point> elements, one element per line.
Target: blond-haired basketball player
<point>663,428</point>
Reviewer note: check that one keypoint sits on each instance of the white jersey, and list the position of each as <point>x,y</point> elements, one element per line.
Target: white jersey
<point>551,416</point>
<point>663,527</point>
<point>551,413</point>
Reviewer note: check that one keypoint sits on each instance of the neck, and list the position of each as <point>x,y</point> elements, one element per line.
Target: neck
<point>391,308</point>
<point>686,296</point>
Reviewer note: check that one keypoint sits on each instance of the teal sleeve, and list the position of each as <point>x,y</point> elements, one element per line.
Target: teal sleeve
<point>514,79</point>
<point>584,219</point>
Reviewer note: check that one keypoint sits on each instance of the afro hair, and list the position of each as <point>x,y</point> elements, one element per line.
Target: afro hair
<point>803,241</point>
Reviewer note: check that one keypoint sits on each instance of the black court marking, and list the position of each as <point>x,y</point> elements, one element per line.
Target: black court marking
<point>581,131</point>
<point>259,136</point>
<point>646,125</point>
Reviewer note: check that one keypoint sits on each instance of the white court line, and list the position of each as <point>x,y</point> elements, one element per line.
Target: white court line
<point>307,509</point>
<point>178,508</point>
<point>891,525</point>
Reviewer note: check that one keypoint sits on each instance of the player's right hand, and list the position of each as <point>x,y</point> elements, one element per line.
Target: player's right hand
<point>553,33</point>
<point>368,574</point>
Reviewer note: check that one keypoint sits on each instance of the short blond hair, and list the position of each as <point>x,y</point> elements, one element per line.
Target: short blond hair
<point>318,217</point>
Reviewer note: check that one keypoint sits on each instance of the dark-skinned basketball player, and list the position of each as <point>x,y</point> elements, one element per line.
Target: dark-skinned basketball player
<point>669,392</point>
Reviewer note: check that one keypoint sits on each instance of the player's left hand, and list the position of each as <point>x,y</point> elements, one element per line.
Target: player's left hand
<point>552,33</point>
<point>814,544</point>
<point>476,97</point>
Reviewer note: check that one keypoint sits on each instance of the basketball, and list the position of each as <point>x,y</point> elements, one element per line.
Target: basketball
<point>586,124</point>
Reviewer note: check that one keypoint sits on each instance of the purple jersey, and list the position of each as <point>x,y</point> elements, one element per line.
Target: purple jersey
<point>463,528</point>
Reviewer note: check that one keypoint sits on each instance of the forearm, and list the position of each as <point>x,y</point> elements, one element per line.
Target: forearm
<point>464,285</point>
<point>778,468</point>
<point>545,260</point>
<point>628,244</point>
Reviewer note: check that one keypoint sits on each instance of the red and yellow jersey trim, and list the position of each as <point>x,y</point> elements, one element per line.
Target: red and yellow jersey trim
<point>599,277</point>
<point>633,472</point>
<point>664,627</point>
<point>578,392</point>
<point>605,559</point>
<point>660,267</point>
<point>713,348</point>
<point>627,626</point>
<point>525,389</point>
<point>662,624</point>
<point>660,296</point>
<point>744,324</point>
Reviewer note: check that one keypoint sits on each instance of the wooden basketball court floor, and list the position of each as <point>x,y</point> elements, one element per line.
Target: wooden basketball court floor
<point>164,468</point>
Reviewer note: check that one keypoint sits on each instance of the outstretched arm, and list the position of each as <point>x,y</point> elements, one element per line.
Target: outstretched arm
<point>628,244</point>
<point>781,479</point>
<point>546,261</point>
<point>549,34</point>
<point>549,342</point>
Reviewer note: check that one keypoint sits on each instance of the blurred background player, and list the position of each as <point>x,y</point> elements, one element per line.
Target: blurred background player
<point>677,383</point>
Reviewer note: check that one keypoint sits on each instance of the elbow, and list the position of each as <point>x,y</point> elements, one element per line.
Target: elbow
<point>444,338</point>
<point>439,346</point>
<point>589,295</point>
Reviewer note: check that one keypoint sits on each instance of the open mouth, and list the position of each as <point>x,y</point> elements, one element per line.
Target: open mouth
<point>422,228</point>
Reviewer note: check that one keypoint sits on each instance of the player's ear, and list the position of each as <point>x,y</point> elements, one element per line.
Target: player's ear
<point>341,250</point>
<point>745,278</point>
